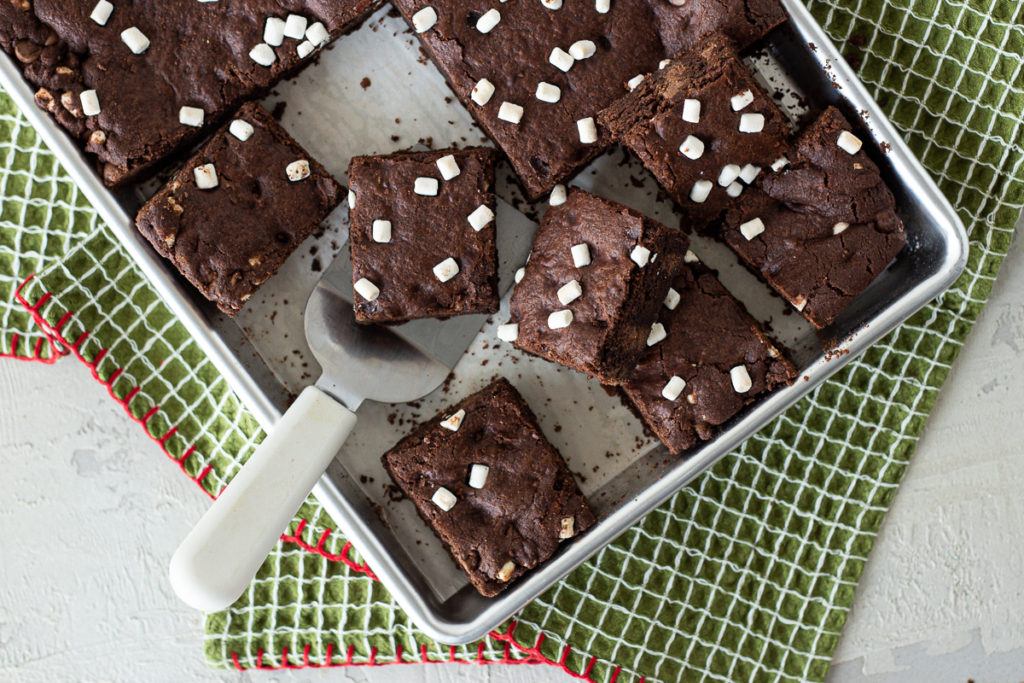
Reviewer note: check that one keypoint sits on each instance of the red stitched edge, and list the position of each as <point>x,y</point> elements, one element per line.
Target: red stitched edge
<point>533,654</point>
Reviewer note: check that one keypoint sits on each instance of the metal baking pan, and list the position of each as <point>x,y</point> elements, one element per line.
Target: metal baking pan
<point>624,473</point>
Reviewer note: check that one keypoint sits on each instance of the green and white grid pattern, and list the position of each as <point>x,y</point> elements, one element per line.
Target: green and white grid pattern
<point>746,574</point>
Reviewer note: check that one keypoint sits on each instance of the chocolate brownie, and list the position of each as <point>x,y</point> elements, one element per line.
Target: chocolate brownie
<point>422,235</point>
<point>822,230</point>
<point>232,215</point>
<point>702,127</point>
<point>706,360</point>
<point>137,81</point>
<point>597,274</point>
<point>687,22</point>
<point>535,74</point>
<point>493,489</point>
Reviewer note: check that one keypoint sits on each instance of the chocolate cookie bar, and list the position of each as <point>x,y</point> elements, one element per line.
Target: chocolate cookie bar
<point>232,215</point>
<point>823,229</point>
<point>703,127</point>
<point>492,488</point>
<point>596,278</point>
<point>422,235</point>
<point>137,81</point>
<point>706,359</point>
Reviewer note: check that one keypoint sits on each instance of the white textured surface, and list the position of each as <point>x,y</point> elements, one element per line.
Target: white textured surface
<point>92,512</point>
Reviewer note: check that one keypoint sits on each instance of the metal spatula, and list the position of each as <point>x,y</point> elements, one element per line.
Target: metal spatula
<point>218,559</point>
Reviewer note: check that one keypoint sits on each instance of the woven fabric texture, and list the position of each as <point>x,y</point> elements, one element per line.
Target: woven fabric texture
<point>748,574</point>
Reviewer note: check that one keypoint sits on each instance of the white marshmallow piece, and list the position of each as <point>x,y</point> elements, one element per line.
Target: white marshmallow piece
<point>580,255</point>
<point>673,387</point>
<point>582,49</point>
<point>752,123</point>
<point>690,257</point>
<point>779,164</point>
<point>569,292</point>
<point>482,92</point>
<point>425,186</point>
<point>849,142</point>
<point>603,6</point>
<point>351,199</point>
<point>552,5</point>
<point>366,289</point>
<point>381,231</point>
<point>672,299</point>
<point>740,379</point>
<point>561,59</point>
<point>444,499</point>
<point>448,166</point>
<point>749,173</point>
<point>454,421</point>
<point>101,12</point>
<point>588,130</point>
<point>663,63</point>
<point>191,116</point>
<point>546,92</point>
<point>295,26</point>
<point>640,255</point>
<point>839,228</point>
<point>297,170</point>
<point>567,528</point>
<point>692,147</point>
<point>135,39</point>
<point>734,190</point>
<point>478,475</point>
<point>799,303</point>
<point>560,319</point>
<point>263,54</point>
<point>657,334</point>
<point>488,20</point>
<point>206,176</point>
<point>273,31</point>
<point>635,81</point>
<point>512,113</point>
<point>446,270</point>
<point>691,111</point>
<point>508,332</point>
<point>558,195</point>
<point>242,130</point>
<point>304,49</point>
<point>701,191</point>
<point>424,20</point>
<point>752,228</point>
<point>729,173</point>
<point>90,102</point>
<point>480,217</point>
<point>741,100</point>
<point>520,274</point>
<point>317,34</point>
<point>505,573</point>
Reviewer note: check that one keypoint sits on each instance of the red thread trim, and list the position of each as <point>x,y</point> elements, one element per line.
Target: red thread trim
<point>37,351</point>
<point>343,557</point>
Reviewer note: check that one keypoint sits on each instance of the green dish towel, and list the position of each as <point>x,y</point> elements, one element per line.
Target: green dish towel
<point>748,573</point>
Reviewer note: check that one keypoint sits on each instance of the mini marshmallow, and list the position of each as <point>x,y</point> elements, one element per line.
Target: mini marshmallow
<point>552,4</point>
<point>692,147</point>
<point>673,387</point>
<point>135,39</point>
<point>561,59</point>
<point>242,130</point>
<point>657,334</point>
<point>90,102</point>
<point>366,289</point>
<point>273,31</point>
<point>580,255</point>
<point>424,20</point>
<point>191,116</point>
<point>752,228</point>
<point>505,573</point>
<point>582,49</point>
<point>512,113</point>
<point>101,12</point>
<point>752,123</point>
<point>480,217</point>
<point>569,292</point>
<point>740,379</point>
<point>640,255</point>
<point>381,231</point>
<point>701,191</point>
<point>488,20</point>
<point>663,63</point>
<point>444,499</point>
<point>691,111</point>
<point>478,475</point>
<point>295,26</point>
<point>672,299</point>
<point>799,303</point>
<point>262,54</point>
<point>849,142</point>
<point>741,100</point>
<point>446,270</point>
<point>454,421</point>
<point>567,528</point>
<point>839,228</point>
<point>558,195</point>
<point>448,166</point>
<point>546,92</point>
<point>426,186</point>
<point>508,332</point>
<point>635,81</point>
<point>779,164</point>
<point>482,92</point>
<point>602,6</point>
<point>351,199</point>
<point>729,173</point>
<point>304,49</point>
<point>560,319</point>
<point>588,130</point>
<point>206,176</point>
<point>297,170</point>
<point>317,34</point>
<point>749,173</point>
<point>520,274</point>
<point>734,190</point>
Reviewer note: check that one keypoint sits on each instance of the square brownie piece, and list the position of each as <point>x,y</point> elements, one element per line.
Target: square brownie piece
<point>422,235</point>
<point>703,127</point>
<point>709,360</point>
<point>238,208</point>
<point>742,21</point>
<point>597,274</point>
<point>823,229</point>
<point>493,489</point>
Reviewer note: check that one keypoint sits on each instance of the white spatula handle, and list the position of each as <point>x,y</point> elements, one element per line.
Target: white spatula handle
<point>218,559</point>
